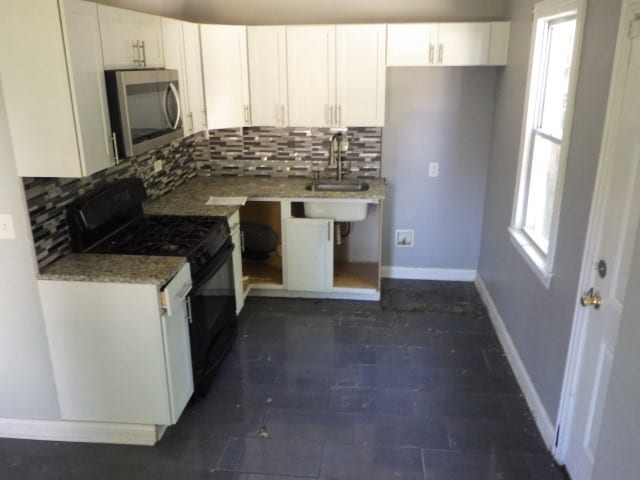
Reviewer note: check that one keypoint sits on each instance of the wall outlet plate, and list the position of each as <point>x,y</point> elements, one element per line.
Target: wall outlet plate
<point>157,166</point>
<point>404,238</point>
<point>7,231</point>
<point>434,167</point>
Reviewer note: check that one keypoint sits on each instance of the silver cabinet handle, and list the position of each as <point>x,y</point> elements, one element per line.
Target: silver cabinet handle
<point>204,119</point>
<point>193,127</point>
<point>241,241</point>
<point>136,52</point>
<point>329,231</point>
<point>144,54</point>
<point>431,52</point>
<point>339,121</point>
<point>187,301</point>
<point>282,114</point>
<point>331,121</point>
<point>440,53</point>
<point>114,142</point>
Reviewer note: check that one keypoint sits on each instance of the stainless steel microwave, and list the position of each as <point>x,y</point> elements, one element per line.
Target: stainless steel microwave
<point>144,109</point>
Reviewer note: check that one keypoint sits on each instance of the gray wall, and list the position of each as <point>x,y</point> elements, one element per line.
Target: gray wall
<point>617,454</point>
<point>26,376</point>
<point>540,320</point>
<point>436,115</point>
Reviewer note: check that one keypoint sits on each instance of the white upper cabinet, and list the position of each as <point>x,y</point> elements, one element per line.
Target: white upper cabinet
<point>195,90</point>
<point>53,84</point>
<point>311,75</point>
<point>360,75</point>
<point>447,44</point>
<point>225,72</point>
<point>181,43</point>
<point>268,75</point>
<point>130,39</point>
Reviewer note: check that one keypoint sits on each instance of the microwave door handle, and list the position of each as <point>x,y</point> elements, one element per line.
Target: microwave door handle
<point>176,96</point>
<point>164,106</point>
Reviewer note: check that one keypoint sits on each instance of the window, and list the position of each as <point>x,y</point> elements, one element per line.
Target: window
<point>548,109</point>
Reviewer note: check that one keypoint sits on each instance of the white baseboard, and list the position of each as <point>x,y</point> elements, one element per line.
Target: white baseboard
<point>90,432</point>
<point>543,422</point>
<point>443,274</point>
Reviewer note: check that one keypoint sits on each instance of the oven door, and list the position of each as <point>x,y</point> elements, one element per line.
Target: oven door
<point>213,326</point>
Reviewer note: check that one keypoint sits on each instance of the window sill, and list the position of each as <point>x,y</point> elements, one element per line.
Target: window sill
<point>532,256</point>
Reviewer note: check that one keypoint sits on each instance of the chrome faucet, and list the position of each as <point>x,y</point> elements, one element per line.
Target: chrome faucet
<point>336,144</point>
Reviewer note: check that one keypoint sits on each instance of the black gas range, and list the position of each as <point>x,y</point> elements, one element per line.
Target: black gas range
<point>110,220</point>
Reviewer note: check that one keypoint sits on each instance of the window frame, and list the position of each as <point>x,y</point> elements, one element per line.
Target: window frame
<point>545,13</point>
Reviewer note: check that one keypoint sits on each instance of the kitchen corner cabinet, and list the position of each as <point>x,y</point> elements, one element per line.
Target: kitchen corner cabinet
<point>267,56</point>
<point>336,75</point>
<point>181,43</point>
<point>130,39</point>
<point>447,44</point>
<point>309,254</point>
<point>53,84</point>
<point>226,75</point>
<point>120,352</point>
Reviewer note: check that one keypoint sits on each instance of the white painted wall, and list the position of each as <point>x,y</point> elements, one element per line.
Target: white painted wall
<point>26,377</point>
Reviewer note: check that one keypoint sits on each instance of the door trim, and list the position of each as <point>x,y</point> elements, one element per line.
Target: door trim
<point>630,9</point>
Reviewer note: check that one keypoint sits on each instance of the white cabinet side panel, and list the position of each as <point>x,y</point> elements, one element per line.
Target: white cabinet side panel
<point>107,351</point>
<point>36,89</point>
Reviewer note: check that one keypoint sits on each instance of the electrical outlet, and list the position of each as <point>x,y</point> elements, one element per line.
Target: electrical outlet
<point>404,238</point>
<point>6,227</point>
<point>433,169</point>
<point>157,166</point>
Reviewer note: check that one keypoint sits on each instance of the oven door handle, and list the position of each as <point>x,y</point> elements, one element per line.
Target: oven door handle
<point>212,267</point>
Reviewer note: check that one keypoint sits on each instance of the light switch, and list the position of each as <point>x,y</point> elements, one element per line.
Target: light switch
<point>433,169</point>
<point>6,227</point>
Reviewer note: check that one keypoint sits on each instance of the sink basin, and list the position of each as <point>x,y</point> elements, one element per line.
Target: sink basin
<point>338,187</point>
<point>339,211</point>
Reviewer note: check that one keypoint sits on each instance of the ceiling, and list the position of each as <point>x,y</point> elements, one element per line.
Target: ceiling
<point>279,12</point>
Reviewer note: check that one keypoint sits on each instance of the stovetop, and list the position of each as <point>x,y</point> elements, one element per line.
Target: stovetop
<point>166,235</point>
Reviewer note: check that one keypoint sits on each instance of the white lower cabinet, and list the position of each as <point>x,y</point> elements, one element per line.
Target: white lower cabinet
<point>308,247</point>
<point>120,352</point>
<point>236,260</point>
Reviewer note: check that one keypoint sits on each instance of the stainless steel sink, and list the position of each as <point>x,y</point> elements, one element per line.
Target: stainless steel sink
<point>337,187</point>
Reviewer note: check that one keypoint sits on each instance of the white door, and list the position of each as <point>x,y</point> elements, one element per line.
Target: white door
<point>267,51</point>
<point>615,222</point>
<point>309,254</point>
<point>360,75</point>
<point>173,45</point>
<point>463,43</point>
<point>224,65</point>
<point>411,44</point>
<point>193,67</point>
<point>311,75</point>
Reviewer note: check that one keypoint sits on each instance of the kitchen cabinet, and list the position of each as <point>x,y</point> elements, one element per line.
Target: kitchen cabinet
<point>238,284</point>
<point>336,75</point>
<point>267,53</point>
<point>308,248</point>
<point>311,75</point>
<point>447,44</point>
<point>130,39</point>
<point>360,75</point>
<point>120,352</point>
<point>54,87</point>
<point>196,113</point>
<point>181,43</point>
<point>225,72</point>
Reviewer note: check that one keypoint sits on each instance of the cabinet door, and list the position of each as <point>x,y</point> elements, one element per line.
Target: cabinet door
<point>411,44</point>
<point>177,349</point>
<point>148,29</point>
<point>267,75</point>
<point>360,75</point>
<point>118,44</point>
<point>193,67</point>
<point>463,43</point>
<point>499,46</point>
<point>309,254</point>
<point>238,285</point>
<point>311,75</point>
<point>173,45</point>
<point>224,65</point>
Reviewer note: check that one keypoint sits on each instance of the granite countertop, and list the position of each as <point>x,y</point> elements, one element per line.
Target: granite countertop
<point>190,198</point>
<point>105,268</point>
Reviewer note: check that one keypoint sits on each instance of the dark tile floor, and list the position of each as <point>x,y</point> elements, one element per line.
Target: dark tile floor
<point>413,387</point>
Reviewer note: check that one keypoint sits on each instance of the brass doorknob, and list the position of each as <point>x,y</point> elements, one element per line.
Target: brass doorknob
<point>591,299</point>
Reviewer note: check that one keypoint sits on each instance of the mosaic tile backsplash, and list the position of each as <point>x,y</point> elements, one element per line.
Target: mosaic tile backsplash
<point>287,152</point>
<point>48,197</point>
